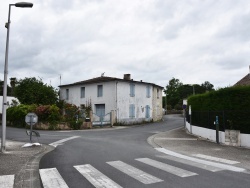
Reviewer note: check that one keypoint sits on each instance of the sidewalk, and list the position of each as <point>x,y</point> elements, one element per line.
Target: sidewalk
<point>23,163</point>
<point>181,142</point>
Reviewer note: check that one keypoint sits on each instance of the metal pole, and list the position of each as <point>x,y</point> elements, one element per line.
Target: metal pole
<point>217,129</point>
<point>3,149</point>
<point>31,128</point>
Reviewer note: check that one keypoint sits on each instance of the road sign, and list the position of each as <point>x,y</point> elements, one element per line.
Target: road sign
<point>31,119</point>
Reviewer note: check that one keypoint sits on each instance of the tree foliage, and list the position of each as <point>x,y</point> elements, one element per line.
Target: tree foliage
<point>176,91</point>
<point>172,91</point>
<point>33,91</point>
<point>8,89</point>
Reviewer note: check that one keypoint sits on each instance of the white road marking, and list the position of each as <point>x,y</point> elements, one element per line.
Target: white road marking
<point>191,163</point>
<point>176,139</point>
<point>60,142</point>
<point>7,181</point>
<point>219,165</point>
<point>51,178</point>
<point>95,177</point>
<point>134,172</point>
<point>168,168</point>
<point>216,159</point>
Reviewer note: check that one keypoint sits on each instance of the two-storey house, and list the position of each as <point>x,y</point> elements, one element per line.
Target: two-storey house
<point>132,101</point>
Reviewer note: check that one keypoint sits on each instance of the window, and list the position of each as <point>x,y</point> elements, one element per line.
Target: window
<point>148,91</point>
<point>82,92</point>
<point>99,91</point>
<point>132,90</point>
<point>131,110</point>
<point>147,111</point>
<point>67,94</point>
<point>158,94</point>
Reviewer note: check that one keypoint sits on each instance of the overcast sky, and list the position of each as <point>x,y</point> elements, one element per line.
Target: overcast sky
<point>153,40</point>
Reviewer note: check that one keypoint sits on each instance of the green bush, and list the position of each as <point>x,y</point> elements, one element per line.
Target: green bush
<point>15,115</point>
<point>48,113</point>
<point>76,125</point>
<point>230,104</point>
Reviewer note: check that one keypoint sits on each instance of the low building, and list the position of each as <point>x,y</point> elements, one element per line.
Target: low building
<point>9,101</point>
<point>132,101</point>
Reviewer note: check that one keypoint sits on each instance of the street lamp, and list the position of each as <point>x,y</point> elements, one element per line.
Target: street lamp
<point>7,25</point>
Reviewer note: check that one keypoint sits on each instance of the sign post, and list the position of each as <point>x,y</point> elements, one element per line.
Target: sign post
<point>217,129</point>
<point>31,119</point>
<point>190,114</point>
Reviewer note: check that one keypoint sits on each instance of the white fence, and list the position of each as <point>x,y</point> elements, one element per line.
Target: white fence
<point>211,135</point>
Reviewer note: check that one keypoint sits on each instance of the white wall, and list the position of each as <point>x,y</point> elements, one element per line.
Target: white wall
<point>91,93</point>
<point>139,100</point>
<point>9,100</point>
<point>211,134</point>
<point>157,104</point>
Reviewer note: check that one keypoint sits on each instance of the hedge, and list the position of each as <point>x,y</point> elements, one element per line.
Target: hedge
<point>231,105</point>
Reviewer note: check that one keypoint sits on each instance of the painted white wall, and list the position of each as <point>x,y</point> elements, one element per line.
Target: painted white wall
<point>139,100</point>
<point>245,140</point>
<point>211,134</point>
<point>91,95</point>
<point>9,100</point>
<point>157,104</point>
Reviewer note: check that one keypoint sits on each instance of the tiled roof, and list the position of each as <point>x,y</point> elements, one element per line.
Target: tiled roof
<point>244,81</point>
<point>105,79</point>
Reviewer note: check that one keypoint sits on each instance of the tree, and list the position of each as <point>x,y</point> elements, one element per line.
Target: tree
<point>33,91</point>
<point>1,89</point>
<point>176,91</point>
<point>207,86</point>
<point>173,95</point>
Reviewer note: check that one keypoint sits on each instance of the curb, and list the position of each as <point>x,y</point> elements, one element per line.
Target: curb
<point>28,176</point>
<point>151,139</point>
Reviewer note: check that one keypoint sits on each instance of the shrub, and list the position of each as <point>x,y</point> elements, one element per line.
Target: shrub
<point>230,104</point>
<point>16,114</point>
<point>48,113</point>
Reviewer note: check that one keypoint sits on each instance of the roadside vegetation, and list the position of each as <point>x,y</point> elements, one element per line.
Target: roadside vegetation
<point>176,91</point>
<point>43,100</point>
<point>230,104</point>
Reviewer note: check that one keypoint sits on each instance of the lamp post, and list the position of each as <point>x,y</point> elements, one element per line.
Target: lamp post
<point>7,25</point>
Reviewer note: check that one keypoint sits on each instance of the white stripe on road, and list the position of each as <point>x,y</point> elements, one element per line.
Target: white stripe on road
<point>7,181</point>
<point>219,165</point>
<point>51,178</point>
<point>134,172</point>
<point>60,142</point>
<point>216,159</point>
<point>191,163</point>
<point>168,168</point>
<point>95,177</point>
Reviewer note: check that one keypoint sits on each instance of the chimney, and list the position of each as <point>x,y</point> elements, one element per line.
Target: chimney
<point>127,77</point>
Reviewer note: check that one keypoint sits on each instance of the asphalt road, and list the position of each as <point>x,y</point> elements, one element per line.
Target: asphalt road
<point>118,154</point>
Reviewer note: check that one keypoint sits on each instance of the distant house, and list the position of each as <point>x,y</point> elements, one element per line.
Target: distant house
<point>245,81</point>
<point>132,101</point>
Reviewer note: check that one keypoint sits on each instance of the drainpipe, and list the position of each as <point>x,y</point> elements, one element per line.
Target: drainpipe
<point>117,117</point>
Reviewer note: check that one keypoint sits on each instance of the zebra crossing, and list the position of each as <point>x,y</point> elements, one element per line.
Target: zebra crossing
<point>51,177</point>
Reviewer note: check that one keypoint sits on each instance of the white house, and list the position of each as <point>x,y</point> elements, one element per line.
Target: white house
<point>132,101</point>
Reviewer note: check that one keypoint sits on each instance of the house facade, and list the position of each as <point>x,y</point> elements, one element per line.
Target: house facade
<point>132,101</point>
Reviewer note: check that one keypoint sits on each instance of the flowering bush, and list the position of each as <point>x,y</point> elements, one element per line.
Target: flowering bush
<point>16,114</point>
<point>48,113</point>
